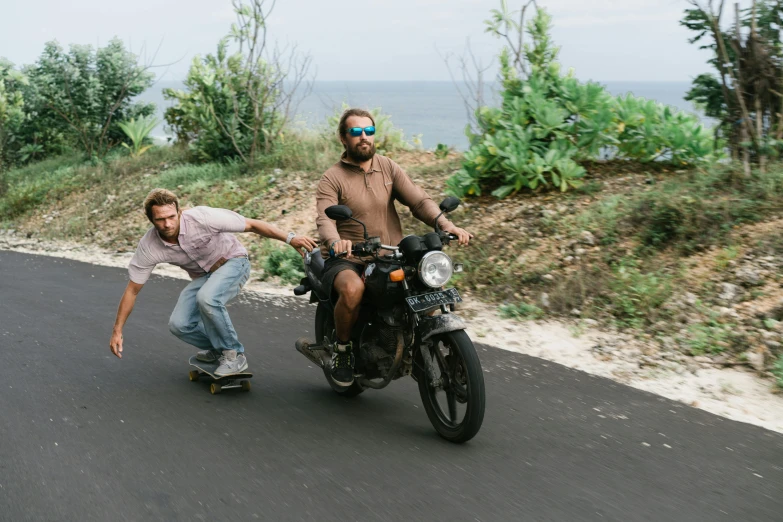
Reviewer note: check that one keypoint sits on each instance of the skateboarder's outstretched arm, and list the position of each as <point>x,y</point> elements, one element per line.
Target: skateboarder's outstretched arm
<point>124,310</point>
<point>264,229</point>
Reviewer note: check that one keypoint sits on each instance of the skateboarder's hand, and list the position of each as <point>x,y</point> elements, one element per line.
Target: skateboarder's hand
<point>300,242</point>
<point>116,344</point>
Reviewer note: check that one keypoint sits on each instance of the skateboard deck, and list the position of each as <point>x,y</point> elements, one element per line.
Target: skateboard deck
<point>219,383</point>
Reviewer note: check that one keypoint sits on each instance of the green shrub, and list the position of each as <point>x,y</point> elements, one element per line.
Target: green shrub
<point>442,150</point>
<point>637,296</point>
<point>707,337</point>
<point>301,149</point>
<point>521,311</point>
<point>78,98</point>
<point>185,176</point>
<point>698,211</point>
<point>777,371</point>
<point>605,216</point>
<point>548,122</point>
<point>284,263</point>
<point>11,111</point>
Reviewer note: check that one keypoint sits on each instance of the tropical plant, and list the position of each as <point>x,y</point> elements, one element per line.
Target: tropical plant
<point>237,104</point>
<point>30,151</point>
<point>138,132</point>
<point>548,122</point>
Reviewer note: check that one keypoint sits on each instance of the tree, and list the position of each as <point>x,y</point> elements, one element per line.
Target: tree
<point>745,96</point>
<point>78,97</point>
<point>237,104</point>
<point>11,110</point>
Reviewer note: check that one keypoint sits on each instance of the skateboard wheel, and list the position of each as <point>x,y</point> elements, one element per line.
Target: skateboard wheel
<point>193,375</point>
<point>245,385</point>
<point>215,388</point>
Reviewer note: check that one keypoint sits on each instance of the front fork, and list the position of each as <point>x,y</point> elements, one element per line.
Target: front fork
<point>430,365</point>
<point>427,327</point>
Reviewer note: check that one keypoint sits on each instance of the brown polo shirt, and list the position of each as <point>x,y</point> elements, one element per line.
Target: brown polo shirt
<point>370,196</point>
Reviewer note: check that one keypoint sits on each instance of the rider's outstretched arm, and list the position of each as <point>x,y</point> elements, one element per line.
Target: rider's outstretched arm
<point>126,307</point>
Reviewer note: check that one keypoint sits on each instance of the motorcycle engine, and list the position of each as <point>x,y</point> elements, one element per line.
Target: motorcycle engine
<point>379,344</point>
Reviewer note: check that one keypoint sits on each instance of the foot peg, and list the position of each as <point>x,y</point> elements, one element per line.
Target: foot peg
<point>314,355</point>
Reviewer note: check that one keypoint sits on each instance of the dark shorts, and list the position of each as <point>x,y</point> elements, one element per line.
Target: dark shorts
<point>332,267</point>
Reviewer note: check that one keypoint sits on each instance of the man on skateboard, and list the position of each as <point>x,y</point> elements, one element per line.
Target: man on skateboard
<point>200,240</point>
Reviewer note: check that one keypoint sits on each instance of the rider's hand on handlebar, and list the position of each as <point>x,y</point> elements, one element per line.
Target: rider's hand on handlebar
<point>463,236</point>
<point>342,247</point>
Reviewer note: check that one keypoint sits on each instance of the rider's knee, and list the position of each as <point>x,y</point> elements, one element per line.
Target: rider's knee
<point>352,293</point>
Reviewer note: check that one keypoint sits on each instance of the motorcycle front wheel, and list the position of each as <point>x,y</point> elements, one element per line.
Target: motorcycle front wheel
<point>324,327</point>
<point>455,399</point>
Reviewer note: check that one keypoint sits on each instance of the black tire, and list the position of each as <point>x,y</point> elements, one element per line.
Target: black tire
<point>324,326</point>
<point>464,385</point>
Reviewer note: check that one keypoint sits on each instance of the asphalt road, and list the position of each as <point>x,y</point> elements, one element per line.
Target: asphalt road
<point>86,436</point>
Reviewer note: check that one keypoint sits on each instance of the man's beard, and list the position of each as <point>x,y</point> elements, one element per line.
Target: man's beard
<point>361,154</point>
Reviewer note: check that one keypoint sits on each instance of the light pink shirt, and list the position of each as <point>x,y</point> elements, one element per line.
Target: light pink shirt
<point>204,237</point>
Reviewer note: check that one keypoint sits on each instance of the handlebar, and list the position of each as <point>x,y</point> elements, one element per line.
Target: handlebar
<point>358,250</point>
<point>369,248</point>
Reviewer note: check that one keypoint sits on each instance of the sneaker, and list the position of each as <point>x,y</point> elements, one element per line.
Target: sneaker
<point>231,362</point>
<point>208,356</point>
<point>342,365</point>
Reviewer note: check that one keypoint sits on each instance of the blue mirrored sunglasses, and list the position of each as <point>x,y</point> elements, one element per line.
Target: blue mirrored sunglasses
<point>357,131</point>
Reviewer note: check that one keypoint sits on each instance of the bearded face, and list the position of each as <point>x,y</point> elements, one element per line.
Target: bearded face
<point>359,148</point>
<point>362,151</point>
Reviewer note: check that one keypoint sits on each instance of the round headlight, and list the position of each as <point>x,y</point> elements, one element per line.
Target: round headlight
<point>435,269</point>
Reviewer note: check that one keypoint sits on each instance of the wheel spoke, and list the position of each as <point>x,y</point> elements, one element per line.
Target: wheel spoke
<point>452,400</point>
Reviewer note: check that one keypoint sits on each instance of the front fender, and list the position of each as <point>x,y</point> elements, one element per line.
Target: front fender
<point>437,324</point>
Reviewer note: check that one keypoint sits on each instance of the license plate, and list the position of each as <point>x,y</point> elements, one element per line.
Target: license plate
<point>419,303</point>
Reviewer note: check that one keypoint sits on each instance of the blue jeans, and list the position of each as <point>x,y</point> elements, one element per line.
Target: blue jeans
<point>200,317</point>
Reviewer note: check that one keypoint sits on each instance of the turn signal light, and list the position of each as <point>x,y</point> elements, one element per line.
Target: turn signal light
<point>397,275</point>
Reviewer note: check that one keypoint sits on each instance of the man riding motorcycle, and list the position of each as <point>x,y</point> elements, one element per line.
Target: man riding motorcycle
<point>368,184</point>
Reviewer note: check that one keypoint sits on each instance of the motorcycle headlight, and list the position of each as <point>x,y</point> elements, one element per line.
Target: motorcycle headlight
<point>435,269</point>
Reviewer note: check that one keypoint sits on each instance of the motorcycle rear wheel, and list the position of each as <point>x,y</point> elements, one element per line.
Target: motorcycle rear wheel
<point>324,327</point>
<point>461,379</point>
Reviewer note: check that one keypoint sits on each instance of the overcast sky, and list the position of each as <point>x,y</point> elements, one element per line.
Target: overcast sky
<point>604,40</point>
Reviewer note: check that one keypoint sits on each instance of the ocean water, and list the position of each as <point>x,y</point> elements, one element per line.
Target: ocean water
<point>434,110</point>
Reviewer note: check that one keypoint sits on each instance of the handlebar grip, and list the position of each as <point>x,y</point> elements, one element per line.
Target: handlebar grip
<point>357,250</point>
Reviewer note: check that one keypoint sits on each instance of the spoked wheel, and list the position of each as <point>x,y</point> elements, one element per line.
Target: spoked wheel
<point>454,400</point>
<point>324,326</point>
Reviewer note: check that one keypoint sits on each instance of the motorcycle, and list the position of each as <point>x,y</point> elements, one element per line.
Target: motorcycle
<point>407,326</point>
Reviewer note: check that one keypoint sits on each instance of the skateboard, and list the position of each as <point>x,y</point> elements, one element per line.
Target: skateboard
<point>236,380</point>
